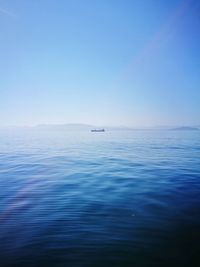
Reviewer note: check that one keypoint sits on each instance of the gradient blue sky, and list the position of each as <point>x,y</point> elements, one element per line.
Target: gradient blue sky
<point>103,62</point>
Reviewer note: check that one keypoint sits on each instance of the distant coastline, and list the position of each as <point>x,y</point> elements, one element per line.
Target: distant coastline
<point>89,127</point>
<point>185,128</point>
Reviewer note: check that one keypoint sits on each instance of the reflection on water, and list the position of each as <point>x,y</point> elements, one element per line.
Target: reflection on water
<point>100,199</point>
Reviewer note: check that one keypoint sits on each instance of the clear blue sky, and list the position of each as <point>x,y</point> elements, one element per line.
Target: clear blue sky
<point>103,62</point>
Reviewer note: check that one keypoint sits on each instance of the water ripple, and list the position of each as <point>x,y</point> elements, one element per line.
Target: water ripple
<point>118,199</point>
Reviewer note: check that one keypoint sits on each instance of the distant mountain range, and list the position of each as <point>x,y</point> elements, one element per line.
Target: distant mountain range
<point>68,126</point>
<point>80,126</point>
<point>185,128</point>
<point>88,127</point>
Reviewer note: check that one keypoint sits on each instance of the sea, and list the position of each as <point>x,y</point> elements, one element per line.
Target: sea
<point>119,198</point>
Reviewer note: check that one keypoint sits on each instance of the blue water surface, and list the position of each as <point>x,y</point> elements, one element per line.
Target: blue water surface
<point>82,199</point>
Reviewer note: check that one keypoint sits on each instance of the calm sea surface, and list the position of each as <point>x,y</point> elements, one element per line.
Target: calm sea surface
<point>82,199</point>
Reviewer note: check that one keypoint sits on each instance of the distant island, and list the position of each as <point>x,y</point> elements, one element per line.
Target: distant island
<point>185,128</point>
<point>67,126</point>
<point>96,128</point>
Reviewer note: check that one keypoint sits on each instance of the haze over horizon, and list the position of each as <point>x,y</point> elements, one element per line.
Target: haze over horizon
<point>131,63</point>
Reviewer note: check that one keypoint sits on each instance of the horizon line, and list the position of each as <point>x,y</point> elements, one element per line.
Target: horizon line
<point>75,124</point>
